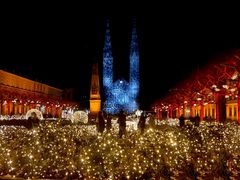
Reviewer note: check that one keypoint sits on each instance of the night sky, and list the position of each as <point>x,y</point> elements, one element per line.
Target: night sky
<point>59,49</point>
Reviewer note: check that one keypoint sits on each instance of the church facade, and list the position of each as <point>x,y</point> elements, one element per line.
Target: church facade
<point>120,94</point>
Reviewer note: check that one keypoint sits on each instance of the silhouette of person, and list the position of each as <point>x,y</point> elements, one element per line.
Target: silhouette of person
<point>181,121</point>
<point>197,120</point>
<point>142,123</point>
<point>122,123</point>
<point>33,120</point>
<point>100,123</point>
<point>191,118</point>
<point>151,121</point>
<point>109,123</point>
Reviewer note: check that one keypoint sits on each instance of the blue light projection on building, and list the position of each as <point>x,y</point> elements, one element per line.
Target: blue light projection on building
<point>107,61</point>
<point>120,95</point>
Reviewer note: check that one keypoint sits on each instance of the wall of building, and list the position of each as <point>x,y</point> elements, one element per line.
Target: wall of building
<point>19,94</point>
<point>21,83</point>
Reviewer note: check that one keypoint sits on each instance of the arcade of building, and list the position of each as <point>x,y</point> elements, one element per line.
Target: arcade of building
<point>212,92</point>
<point>19,94</point>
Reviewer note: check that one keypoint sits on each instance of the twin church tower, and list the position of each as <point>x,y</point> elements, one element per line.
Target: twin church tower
<point>119,94</point>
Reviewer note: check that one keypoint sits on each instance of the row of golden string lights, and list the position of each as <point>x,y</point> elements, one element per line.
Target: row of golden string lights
<point>78,151</point>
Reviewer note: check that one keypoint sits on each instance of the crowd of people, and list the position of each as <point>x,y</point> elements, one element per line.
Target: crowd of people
<point>141,123</point>
<point>194,120</point>
<point>100,122</point>
<point>104,120</point>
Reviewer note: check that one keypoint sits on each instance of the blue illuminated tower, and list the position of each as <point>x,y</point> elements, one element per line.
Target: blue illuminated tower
<point>107,61</point>
<point>134,65</point>
<point>120,94</point>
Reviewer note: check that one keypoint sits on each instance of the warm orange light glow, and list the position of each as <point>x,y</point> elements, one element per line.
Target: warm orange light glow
<point>232,110</point>
<point>25,85</point>
<point>95,106</point>
<point>16,89</point>
<point>95,99</point>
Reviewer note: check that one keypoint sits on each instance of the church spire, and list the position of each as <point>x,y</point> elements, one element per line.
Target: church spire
<point>134,63</point>
<point>134,43</point>
<point>107,59</point>
<point>120,94</point>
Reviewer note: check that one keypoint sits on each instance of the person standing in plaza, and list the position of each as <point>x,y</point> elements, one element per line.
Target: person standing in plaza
<point>142,123</point>
<point>152,121</point>
<point>109,123</point>
<point>100,122</point>
<point>122,123</point>
<point>181,121</point>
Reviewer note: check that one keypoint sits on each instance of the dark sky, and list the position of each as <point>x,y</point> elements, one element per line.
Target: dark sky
<point>60,49</point>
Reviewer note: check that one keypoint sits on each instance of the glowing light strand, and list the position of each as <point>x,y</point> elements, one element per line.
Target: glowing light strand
<point>53,151</point>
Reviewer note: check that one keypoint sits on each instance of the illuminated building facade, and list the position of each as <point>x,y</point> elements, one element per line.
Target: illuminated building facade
<point>213,93</point>
<point>19,94</point>
<point>120,94</point>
